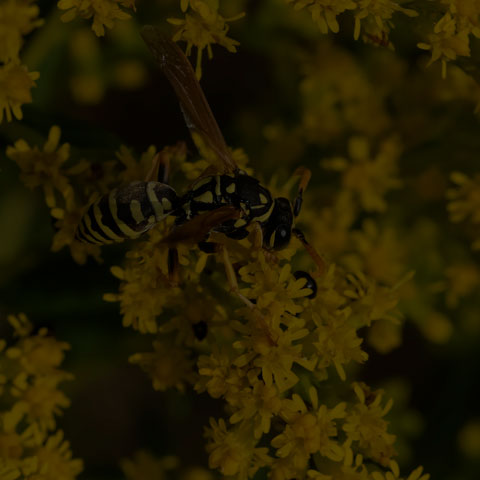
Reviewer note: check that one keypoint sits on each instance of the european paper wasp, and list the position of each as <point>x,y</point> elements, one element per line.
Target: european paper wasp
<point>223,199</point>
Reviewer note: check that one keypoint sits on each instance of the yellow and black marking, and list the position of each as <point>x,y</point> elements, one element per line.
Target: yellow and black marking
<point>225,203</point>
<point>239,190</point>
<point>126,212</point>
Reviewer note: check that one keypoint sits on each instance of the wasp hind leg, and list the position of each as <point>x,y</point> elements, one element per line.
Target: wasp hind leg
<point>160,168</point>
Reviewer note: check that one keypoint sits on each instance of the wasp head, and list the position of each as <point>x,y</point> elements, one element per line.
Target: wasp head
<point>278,228</point>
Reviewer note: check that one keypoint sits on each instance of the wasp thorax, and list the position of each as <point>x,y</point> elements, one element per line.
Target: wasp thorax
<point>278,228</point>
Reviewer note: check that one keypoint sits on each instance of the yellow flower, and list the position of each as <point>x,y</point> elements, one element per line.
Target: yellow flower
<point>384,336</point>
<point>336,342</point>
<point>17,18</point>
<point>141,281</point>
<point>55,459</point>
<point>309,431</point>
<point>369,179</point>
<point>15,84</point>
<point>462,280</point>
<point>203,27</point>
<point>394,473</point>
<point>104,12</point>
<point>168,366</point>
<point>138,169</point>
<point>274,289</point>
<point>234,451</point>
<point>447,42</point>
<point>365,425</point>
<point>43,168</point>
<point>464,198</point>
<point>469,438</point>
<point>377,15</point>
<point>66,223</point>
<point>38,354</point>
<point>8,472</point>
<point>41,401</point>
<point>325,12</point>
<point>259,403</point>
<point>379,252</point>
<point>273,350</point>
<point>218,376</point>
<point>144,466</point>
<point>336,87</point>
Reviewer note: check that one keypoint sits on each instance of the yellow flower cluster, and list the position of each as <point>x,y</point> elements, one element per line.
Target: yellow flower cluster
<point>451,33</point>
<point>17,18</point>
<point>30,446</point>
<point>464,201</point>
<point>202,27</point>
<point>269,362</point>
<point>68,191</point>
<point>374,16</point>
<point>455,21</point>
<point>104,12</point>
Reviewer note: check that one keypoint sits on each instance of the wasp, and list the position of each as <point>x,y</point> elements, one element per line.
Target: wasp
<point>223,199</point>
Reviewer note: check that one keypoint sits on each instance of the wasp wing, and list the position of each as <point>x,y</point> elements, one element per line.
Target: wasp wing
<point>198,116</point>
<point>196,229</point>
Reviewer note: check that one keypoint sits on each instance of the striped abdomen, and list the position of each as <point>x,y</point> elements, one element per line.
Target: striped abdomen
<point>126,212</point>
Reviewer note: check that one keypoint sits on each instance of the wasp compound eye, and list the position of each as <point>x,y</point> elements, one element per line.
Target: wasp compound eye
<point>310,282</point>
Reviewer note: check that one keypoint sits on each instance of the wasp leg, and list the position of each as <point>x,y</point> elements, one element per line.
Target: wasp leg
<point>305,175</point>
<point>232,278</point>
<point>173,267</point>
<point>257,237</point>
<point>321,267</point>
<point>160,168</point>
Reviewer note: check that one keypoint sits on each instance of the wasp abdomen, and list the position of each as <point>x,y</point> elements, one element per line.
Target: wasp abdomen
<point>126,212</point>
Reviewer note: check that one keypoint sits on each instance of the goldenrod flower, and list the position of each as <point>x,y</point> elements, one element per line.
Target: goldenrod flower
<point>55,459</point>
<point>44,168</point>
<point>336,87</point>
<point>104,12</point>
<point>308,431</point>
<point>365,425</point>
<point>367,178</point>
<point>41,401</point>
<point>144,466</point>
<point>325,12</point>
<point>447,42</point>
<point>464,198</point>
<point>202,27</point>
<point>39,354</point>
<point>218,376</point>
<point>259,403</point>
<point>28,441</point>
<point>234,452</point>
<point>15,84</point>
<point>377,14</point>
<point>168,366</point>
<point>336,342</point>
<point>17,18</point>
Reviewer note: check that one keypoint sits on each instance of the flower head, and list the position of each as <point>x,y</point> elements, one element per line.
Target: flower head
<point>202,27</point>
<point>15,84</point>
<point>104,12</point>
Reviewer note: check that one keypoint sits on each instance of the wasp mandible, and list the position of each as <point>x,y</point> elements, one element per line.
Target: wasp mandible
<point>224,199</point>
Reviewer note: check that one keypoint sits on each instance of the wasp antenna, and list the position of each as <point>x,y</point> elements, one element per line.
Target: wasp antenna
<point>305,175</point>
<point>321,267</point>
